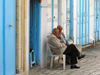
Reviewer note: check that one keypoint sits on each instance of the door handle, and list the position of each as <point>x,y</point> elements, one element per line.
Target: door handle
<point>10,25</point>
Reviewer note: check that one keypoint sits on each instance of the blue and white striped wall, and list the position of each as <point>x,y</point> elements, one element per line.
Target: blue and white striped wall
<point>83,22</point>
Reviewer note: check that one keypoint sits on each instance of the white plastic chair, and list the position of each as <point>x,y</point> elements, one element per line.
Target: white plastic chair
<point>60,55</point>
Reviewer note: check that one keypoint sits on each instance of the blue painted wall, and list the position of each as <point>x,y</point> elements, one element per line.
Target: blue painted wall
<point>7,37</point>
<point>35,28</point>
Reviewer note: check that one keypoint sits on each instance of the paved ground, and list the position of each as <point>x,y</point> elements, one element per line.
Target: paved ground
<point>90,65</point>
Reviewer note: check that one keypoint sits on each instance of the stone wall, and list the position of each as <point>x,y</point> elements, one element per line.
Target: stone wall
<point>21,36</point>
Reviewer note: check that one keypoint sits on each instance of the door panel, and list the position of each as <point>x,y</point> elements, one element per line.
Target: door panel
<point>96,19</point>
<point>82,22</point>
<point>1,38</point>
<point>35,29</point>
<point>7,37</point>
<point>69,19</point>
<point>10,37</point>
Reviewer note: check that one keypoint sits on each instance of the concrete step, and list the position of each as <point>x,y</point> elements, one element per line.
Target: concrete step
<point>88,45</point>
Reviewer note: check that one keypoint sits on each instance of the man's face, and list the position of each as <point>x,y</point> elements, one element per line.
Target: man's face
<point>60,29</point>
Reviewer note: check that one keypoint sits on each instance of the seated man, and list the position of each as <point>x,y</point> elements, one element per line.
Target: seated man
<point>63,40</point>
<point>56,45</point>
<point>62,36</point>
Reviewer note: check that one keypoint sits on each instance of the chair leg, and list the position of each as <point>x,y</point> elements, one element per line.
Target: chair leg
<point>51,62</point>
<point>64,62</point>
<point>31,59</point>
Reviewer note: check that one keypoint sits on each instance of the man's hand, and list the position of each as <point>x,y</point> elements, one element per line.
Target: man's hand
<point>60,36</point>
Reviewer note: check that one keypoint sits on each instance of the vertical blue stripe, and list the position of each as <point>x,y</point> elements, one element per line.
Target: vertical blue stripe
<point>71,19</point>
<point>4,37</point>
<point>52,14</point>
<point>39,32</point>
<point>85,20</point>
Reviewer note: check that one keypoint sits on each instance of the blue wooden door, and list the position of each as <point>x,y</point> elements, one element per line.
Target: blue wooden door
<point>82,22</point>
<point>96,19</point>
<point>35,29</point>
<point>8,37</point>
<point>69,19</point>
<point>1,39</point>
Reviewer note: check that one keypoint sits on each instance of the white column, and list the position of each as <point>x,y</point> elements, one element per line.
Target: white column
<point>75,19</point>
<point>91,15</point>
<point>60,12</point>
<point>43,34</point>
<point>27,39</point>
<point>64,16</point>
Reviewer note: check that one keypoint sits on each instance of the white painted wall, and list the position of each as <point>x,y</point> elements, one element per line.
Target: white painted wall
<point>27,39</point>
<point>46,27</point>
<point>64,16</point>
<point>60,12</point>
<point>91,20</point>
<point>75,19</point>
<point>44,33</point>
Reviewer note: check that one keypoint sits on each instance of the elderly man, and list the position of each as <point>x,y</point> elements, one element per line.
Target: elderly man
<point>56,45</point>
<point>63,40</point>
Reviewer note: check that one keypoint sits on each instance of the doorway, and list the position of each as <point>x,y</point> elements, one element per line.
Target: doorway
<point>35,31</point>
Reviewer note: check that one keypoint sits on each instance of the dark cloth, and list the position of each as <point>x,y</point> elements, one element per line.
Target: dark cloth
<point>73,52</point>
